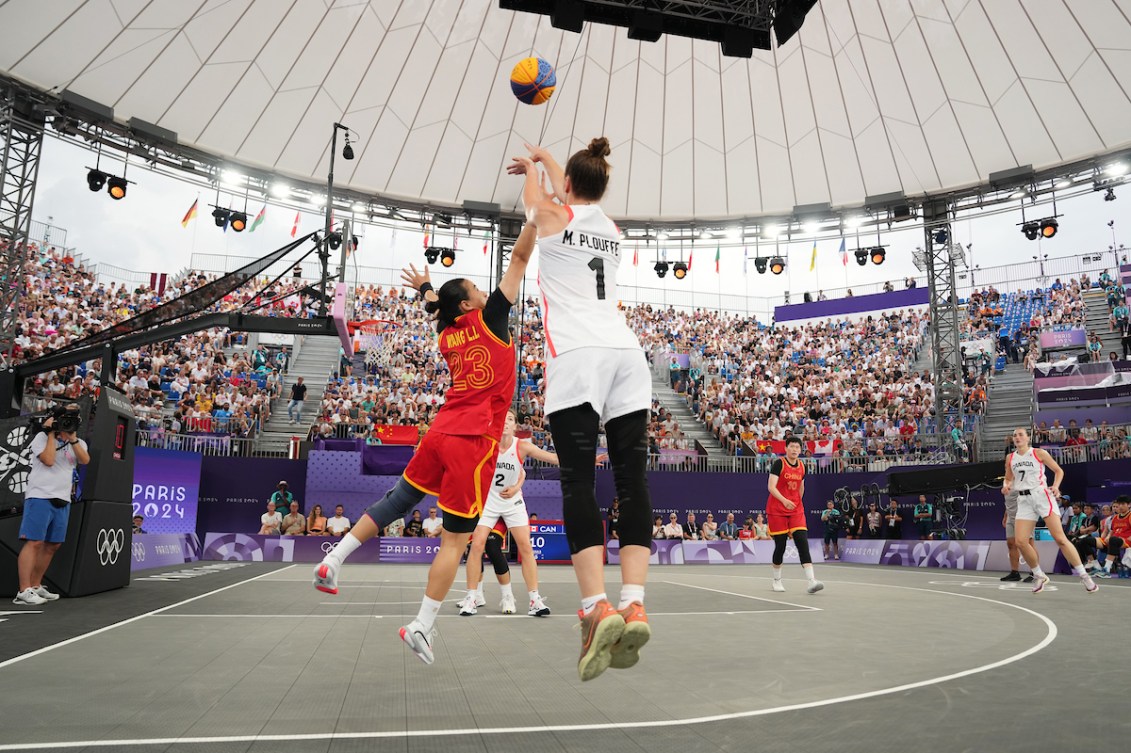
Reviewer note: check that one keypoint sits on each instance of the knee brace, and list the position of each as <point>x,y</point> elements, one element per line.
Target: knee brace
<point>575,439</point>
<point>396,503</point>
<point>801,541</point>
<point>780,540</point>
<point>494,549</point>
<point>628,454</point>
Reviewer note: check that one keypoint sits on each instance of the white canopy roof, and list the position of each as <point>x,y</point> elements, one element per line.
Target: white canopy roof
<point>873,96</point>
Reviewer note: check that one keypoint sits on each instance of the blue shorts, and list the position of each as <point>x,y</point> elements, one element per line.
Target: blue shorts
<point>44,521</point>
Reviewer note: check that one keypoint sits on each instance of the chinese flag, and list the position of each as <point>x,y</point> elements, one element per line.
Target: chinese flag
<point>397,434</point>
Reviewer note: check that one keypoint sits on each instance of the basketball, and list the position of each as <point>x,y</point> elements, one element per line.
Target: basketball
<point>533,81</point>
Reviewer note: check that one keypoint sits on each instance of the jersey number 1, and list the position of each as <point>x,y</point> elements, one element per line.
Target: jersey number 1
<point>598,266</point>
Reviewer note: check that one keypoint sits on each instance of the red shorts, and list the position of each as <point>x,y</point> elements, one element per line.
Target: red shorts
<point>455,469</point>
<point>786,521</point>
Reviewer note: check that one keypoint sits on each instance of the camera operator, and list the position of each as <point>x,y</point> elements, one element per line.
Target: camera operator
<point>56,452</point>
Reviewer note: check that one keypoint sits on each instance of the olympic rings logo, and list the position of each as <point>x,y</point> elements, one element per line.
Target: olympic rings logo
<point>109,544</point>
<point>328,546</point>
<point>139,551</point>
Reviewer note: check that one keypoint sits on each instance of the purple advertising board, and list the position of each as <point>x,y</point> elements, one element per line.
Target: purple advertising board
<point>899,299</point>
<point>748,552</point>
<point>166,489</point>
<point>242,547</point>
<point>163,549</point>
<point>234,491</point>
<point>1075,337</point>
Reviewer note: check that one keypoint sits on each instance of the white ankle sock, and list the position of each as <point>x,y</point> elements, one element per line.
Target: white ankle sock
<point>1080,571</point>
<point>532,595</point>
<point>777,573</point>
<point>506,589</point>
<point>427,614</point>
<point>809,572</point>
<point>1038,572</point>
<point>630,593</point>
<point>589,602</point>
<point>345,548</point>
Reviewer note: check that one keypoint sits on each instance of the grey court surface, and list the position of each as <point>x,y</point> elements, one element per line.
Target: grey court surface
<point>251,658</point>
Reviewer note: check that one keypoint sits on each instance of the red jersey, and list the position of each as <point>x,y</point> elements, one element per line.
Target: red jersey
<point>1121,526</point>
<point>483,379</point>
<point>789,486</point>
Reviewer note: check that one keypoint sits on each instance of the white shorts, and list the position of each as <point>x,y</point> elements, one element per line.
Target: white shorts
<point>615,381</point>
<point>1037,505</point>
<point>511,511</point>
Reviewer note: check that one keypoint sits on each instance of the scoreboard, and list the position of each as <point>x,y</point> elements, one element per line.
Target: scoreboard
<point>548,539</point>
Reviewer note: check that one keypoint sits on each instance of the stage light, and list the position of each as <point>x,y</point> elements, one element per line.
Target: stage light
<point>448,257</point>
<point>1049,227</point>
<point>760,263</point>
<point>1031,230</point>
<point>777,265</point>
<point>861,256</point>
<point>941,236</point>
<point>347,150</point>
<point>238,221</point>
<point>220,216</point>
<point>96,179</point>
<point>432,254</point>
<point>679,269</point>
<point>280,190</point>
<point>878,255</point>
<point>335,241</point>
<point>116,187</point>
<point>661,269</point>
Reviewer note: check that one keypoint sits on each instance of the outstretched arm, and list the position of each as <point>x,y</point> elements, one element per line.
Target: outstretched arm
<point>530,449</point>
<point>520,258</point>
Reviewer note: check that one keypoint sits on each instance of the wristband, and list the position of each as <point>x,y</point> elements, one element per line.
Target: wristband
<point>425,287</point>
<point>73,441</point>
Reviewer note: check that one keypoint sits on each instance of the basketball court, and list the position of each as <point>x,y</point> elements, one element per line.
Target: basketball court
<point>242,657</point>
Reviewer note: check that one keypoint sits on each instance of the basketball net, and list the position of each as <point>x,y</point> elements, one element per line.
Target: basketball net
<point>376,341</point>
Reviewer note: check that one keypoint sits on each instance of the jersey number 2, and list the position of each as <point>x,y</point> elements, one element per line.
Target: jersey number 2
<point>499,480</point>
<point>598,266</point>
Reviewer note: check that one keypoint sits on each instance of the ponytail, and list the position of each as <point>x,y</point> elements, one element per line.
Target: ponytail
<point>588,170</point>
<point>446,309</point>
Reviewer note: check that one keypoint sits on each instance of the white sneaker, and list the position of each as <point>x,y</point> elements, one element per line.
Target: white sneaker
<point>45,594</point>
<point>538,608</point>
<point>467,606</point>
<point>326,576</point>
<point>507,605</point>
<point>779,586</point>
<point>1090,585</point>
<point>28,598</point>
<point>815,586</point>
<point>419,641</point>
<point>479,600</point>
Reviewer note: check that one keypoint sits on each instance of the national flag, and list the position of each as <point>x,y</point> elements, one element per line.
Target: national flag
<point>190,215</point>
<point>258,219</point>
<point>426,236</point>
<point>397,434</point>
<point>157,280</point>
<point>294,227</point>
<point>635,255</point>
<point>813,259</point>
<point>843,253</point>
<point>689,258</point>
<point>716,259</point>
<point>486,240</point>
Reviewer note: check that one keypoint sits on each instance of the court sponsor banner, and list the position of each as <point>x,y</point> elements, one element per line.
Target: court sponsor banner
<point>1065,338</point>
<point>407,550</point>
<point>746,552</point>
<point>242,547</point>
<point>166,490</point>
<point>957,555</point>
<point>862,552</point>
<point>163,549</point>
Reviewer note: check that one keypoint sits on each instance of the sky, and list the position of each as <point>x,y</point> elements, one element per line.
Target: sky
<point>143,233</point>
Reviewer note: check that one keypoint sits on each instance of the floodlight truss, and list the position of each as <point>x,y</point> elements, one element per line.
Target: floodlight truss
<point>746,14</point>
<point>940,260</point>
<point>21,141</point>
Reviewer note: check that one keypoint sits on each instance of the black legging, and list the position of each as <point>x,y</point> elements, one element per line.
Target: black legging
<point>575,440</point>
<point>494,547</point>
<point>800,540</point>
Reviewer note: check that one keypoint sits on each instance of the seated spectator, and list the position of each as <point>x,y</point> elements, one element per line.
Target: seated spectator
<point>339,525</point>
<point>710,529</point>
<point>294,522</point>
<point>316,522</point>
<point>414,528</point>
<point>746,533</point>
<point>728,531</point>
<point>272,521</point>
<point>658,527</point>
<point>395,529</point>
<point>761,530</point>
<point>673,530</point>
<point>138,521</point>
<point>433,525</point>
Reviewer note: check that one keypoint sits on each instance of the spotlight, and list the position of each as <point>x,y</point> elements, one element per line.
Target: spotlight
<point>238,221</point>
<point>1031,230</point>
<point>347,150</point>
<point>861,256</point>
<point>1109,195</point>
<point>878,255</point>
<point>116,187</point>
<point>941,236</point>
<point>96,179</point>
<point>1049,227</point>
<point>760,263</point>
<point>432,254</point>
<point>220,216</point>
<point>777,265</point>
<point>661,269</point>
<point>448,257</point>
<point>679,269</point>
<point>335,241</point>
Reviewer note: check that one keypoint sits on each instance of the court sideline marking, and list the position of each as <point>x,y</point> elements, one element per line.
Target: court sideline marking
<point>1050,636</point>
<point>69,641</point>
<point>805,607</point>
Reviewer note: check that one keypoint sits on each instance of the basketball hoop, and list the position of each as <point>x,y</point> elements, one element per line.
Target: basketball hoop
<point>375,335</point>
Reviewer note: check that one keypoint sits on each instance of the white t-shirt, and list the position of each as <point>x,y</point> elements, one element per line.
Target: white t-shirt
<point>338,525</point>
<point>272,519</point>
<point>432,525</point>
<point>51,481</point>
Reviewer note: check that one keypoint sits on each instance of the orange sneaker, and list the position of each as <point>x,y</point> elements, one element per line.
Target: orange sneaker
<point>600,629</point>
<point>626,651</point>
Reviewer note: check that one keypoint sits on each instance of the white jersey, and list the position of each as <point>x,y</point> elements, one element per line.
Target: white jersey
<point>577,276</point>
<point>508,466</point>
<point>1028,471</point>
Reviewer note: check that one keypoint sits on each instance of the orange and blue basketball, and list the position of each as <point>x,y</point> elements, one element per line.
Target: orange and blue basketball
<point>533,81</point>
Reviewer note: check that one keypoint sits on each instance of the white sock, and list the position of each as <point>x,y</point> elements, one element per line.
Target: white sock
<point>630,593</point>
<point>588,602</point>
<point>809,572</point>
<point>1080,571</point>
<point>1107,565</point>
<point>532,595</point>
<point>345,548</point>
<point>1038,572</point>
<point>479,590</point>
<point>506,589</point>
<point>427,614</point>
<point>777,573</point>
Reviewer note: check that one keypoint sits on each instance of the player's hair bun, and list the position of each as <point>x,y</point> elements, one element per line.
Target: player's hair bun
<point>431,307</point>
<point>599,147</point>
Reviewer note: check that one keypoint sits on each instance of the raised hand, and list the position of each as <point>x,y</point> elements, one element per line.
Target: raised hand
<point>414,278</point>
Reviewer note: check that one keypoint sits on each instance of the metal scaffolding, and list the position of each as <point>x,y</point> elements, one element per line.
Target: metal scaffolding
<point>21,141</point>
<point>941,256</point>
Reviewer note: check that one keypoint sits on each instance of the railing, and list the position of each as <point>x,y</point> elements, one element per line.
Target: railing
<point>1087,453</point>
<point>211,445</point>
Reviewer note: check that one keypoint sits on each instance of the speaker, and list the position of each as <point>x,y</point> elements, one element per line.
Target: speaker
<point>945,478</point>
<point>110,474</point>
